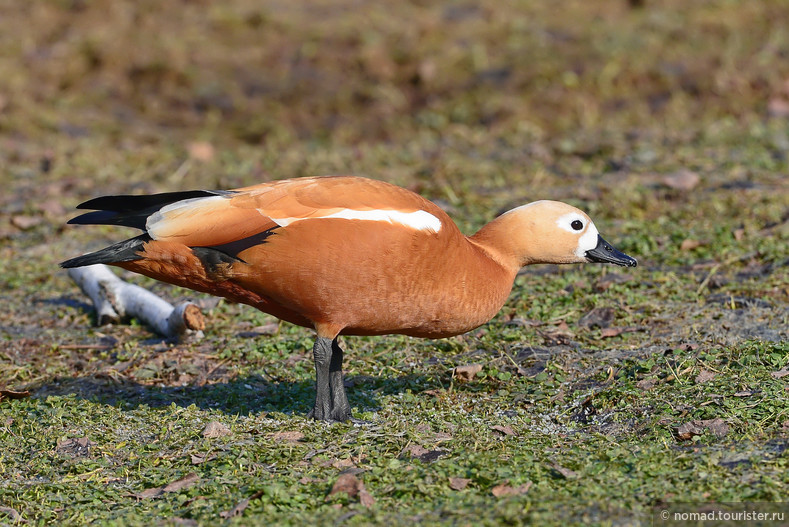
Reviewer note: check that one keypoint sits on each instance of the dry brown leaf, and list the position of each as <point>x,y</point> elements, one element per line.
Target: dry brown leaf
<point>291,436</point>
<point>240,506</point>
<point>347,483</point>
<point>353,487</point>
<point>201,151</point>
<point>778,107</point>
<point>10,394</point>
<point>647,384</point>
<point>215,429</point>
<point>23,222</point>
<point>466,373</point>
<point>681,180</point>
<point>150,493</point>
<point>689,244</point>
<point>505,489</point>
<point>718,427</point>
<point>458,483</point>
<point>738,234</point>
<point>780,373</point>
<point>705,376</point>
<point>615,332</point>
<point>199,459</point>
<point>52,207</point>
<point>611,332</point>
<point>343,464</point>
<point>182,483</point>
<point>689,429</point>
<point>365,498</point>
<point>505,430</point>
<point>426,70</point>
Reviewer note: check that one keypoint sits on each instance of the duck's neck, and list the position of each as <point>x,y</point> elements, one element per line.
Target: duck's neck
<point>500,239</point>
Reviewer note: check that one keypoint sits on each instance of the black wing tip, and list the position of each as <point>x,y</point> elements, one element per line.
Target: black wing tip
<point>125,251</point>
<point>79,261</point>
<point>133,210</point>
<point>136,202</point>
<point>99,217</point>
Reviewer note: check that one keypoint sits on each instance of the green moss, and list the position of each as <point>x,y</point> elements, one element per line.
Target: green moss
<point>481,108</point>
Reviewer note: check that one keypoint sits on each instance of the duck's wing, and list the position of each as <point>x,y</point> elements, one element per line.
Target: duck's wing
<point>221,218</point>
<point>202,218</point>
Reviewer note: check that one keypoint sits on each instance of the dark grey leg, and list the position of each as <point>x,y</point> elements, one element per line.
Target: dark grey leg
<point>322,355</point>
<point>341,410</point>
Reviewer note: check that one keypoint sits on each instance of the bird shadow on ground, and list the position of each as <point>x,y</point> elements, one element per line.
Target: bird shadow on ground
<point>241,396</point>
<point>162,372</point>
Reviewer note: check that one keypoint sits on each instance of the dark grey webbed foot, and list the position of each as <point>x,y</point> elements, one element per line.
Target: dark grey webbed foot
<point>341,409</point>
<point>331,402</point>
<point>339,415</point>
<point>321,353</point>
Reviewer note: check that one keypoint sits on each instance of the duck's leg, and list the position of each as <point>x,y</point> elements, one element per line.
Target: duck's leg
<point>322,355</point>
<point>340,409</point>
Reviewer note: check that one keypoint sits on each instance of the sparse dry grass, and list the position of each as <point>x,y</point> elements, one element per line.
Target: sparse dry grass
<point>478,106</point>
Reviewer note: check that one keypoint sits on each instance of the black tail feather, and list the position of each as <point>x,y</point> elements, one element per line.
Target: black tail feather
<point>109,217</point>
<point>132,211</point>
<point>131,203</point>
<point>125,251</point>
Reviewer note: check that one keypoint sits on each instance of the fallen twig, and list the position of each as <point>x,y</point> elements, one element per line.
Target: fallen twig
<point>115,299</point>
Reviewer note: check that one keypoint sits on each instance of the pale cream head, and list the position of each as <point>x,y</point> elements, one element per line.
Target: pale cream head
<point>546,232</point>
<point>551,232</point>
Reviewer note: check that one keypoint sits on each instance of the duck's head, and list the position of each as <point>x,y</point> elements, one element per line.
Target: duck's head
<point>549,232</point>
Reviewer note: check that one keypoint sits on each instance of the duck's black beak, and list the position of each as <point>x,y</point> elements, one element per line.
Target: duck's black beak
<point>605,253</point>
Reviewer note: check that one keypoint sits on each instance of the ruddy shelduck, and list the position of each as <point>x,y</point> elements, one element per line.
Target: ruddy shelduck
<point>342,255</point>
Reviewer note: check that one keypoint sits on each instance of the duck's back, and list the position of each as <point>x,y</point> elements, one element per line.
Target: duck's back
<point>356,255</point>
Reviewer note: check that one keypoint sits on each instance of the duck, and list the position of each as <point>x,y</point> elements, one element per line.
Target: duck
<point>342,255</point>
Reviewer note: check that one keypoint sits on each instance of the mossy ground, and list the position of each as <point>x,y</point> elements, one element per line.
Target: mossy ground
<point>480,107</point>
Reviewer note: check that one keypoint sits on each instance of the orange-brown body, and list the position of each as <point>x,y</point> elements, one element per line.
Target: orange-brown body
<point>364,279</point>
<point>340,276</point>
<point>343,255</point>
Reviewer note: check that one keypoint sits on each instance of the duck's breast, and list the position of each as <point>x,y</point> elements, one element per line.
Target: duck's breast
<point>375,277</point>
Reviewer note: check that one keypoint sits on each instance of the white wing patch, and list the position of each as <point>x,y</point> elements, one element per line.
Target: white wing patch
<point>171,218</point>
<point>419,220</point>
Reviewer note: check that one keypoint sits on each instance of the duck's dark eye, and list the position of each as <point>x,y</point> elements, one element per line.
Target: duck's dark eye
<point>577,225</point>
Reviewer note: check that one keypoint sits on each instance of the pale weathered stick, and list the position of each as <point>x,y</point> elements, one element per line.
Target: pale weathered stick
<point>100,284</point>
<point>114,299</point>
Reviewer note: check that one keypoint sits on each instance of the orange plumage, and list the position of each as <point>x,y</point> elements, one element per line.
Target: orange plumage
<point>342,255</point>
